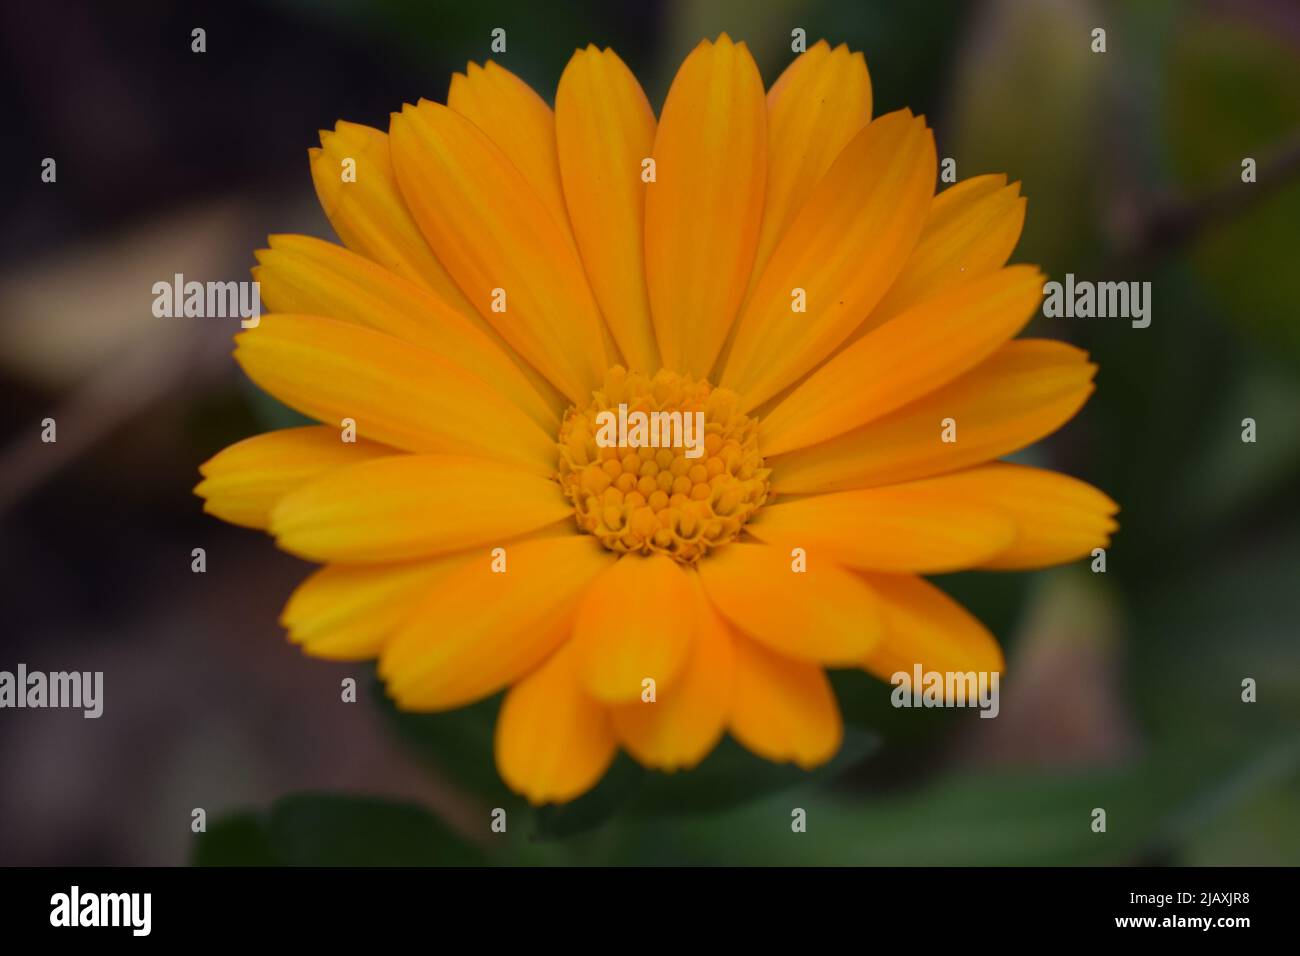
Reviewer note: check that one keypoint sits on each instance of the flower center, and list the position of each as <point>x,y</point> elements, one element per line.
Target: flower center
<point>664,464</point>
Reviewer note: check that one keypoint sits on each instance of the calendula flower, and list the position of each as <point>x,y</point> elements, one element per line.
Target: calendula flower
<point>776,268</point>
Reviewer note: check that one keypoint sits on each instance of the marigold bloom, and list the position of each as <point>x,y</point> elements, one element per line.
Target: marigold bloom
<point>510,272</point>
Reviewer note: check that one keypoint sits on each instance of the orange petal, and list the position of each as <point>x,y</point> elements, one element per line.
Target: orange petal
<point>553,743</point>
<point>922,625</point>
<point>1057,518</point>
<point>702,212</point>
<point>843,249</point>
<point>242,483</point>
<point>823,614</point>
<point>635,622</point>
<point>910,527</point>
<point>369,214</point>
<point>492,231</point>
<point>481,630</point>
<point>781,709</point>
<point>684,722</point>
<point>411,506</point>
<point>307,276</point>
<point>397,393</point>
<point>605,128</point>
<point>924,348</point>
<point>816,106</point>
<point>1023,392</point>
<point>971,231</point>
<point>514,117</point>
<point>346,612</point>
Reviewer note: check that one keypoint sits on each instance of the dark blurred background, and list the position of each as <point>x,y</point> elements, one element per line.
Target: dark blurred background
<point>1124,688</point>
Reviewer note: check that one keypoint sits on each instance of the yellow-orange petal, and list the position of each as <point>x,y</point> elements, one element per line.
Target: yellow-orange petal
<point>480,630</point>
<point>818,104</point>
<point>501,243</point>
<point>302,275</point>
<point>242,483</point>
<point>971,231</point>
<point>368,212</point>
<point>396,393</point>
<point>921,350</point>
<point>346,612</point>
<point>922,625</point>
<point>842,251</point>
<point>553,742</point>
<point>702,213</point>
<point>783,710</point>
<point>514,117</point>
<point>635,623</point>
<point>685,720</point>
<point>915,527</point>
<point>604,129</point>
<point>1023,392</point>
<point>412,506</point>
<point>1057,518</point>
<point>824,613</point>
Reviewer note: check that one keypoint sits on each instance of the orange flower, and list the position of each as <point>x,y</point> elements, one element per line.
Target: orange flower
<point>776,267</point>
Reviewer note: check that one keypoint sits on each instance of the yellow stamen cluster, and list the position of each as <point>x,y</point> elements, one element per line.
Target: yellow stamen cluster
<point>656,499</point>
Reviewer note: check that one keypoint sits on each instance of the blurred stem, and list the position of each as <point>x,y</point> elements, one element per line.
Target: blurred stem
<point>1172,223</point>
<point>115,394</point>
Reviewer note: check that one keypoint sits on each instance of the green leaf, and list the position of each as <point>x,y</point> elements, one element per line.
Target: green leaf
<point>621,782</point>
<point>730,776</point>
<point>456,745</point>
<point>967,819</point>
<point>240,839</point>
<point>334,830</point>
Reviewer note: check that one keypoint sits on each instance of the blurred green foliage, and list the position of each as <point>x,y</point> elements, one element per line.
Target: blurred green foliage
<point>1232,96</point>
<point>333,830</point>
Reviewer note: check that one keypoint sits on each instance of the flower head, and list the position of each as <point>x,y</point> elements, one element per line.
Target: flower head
<point>656,419</point>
